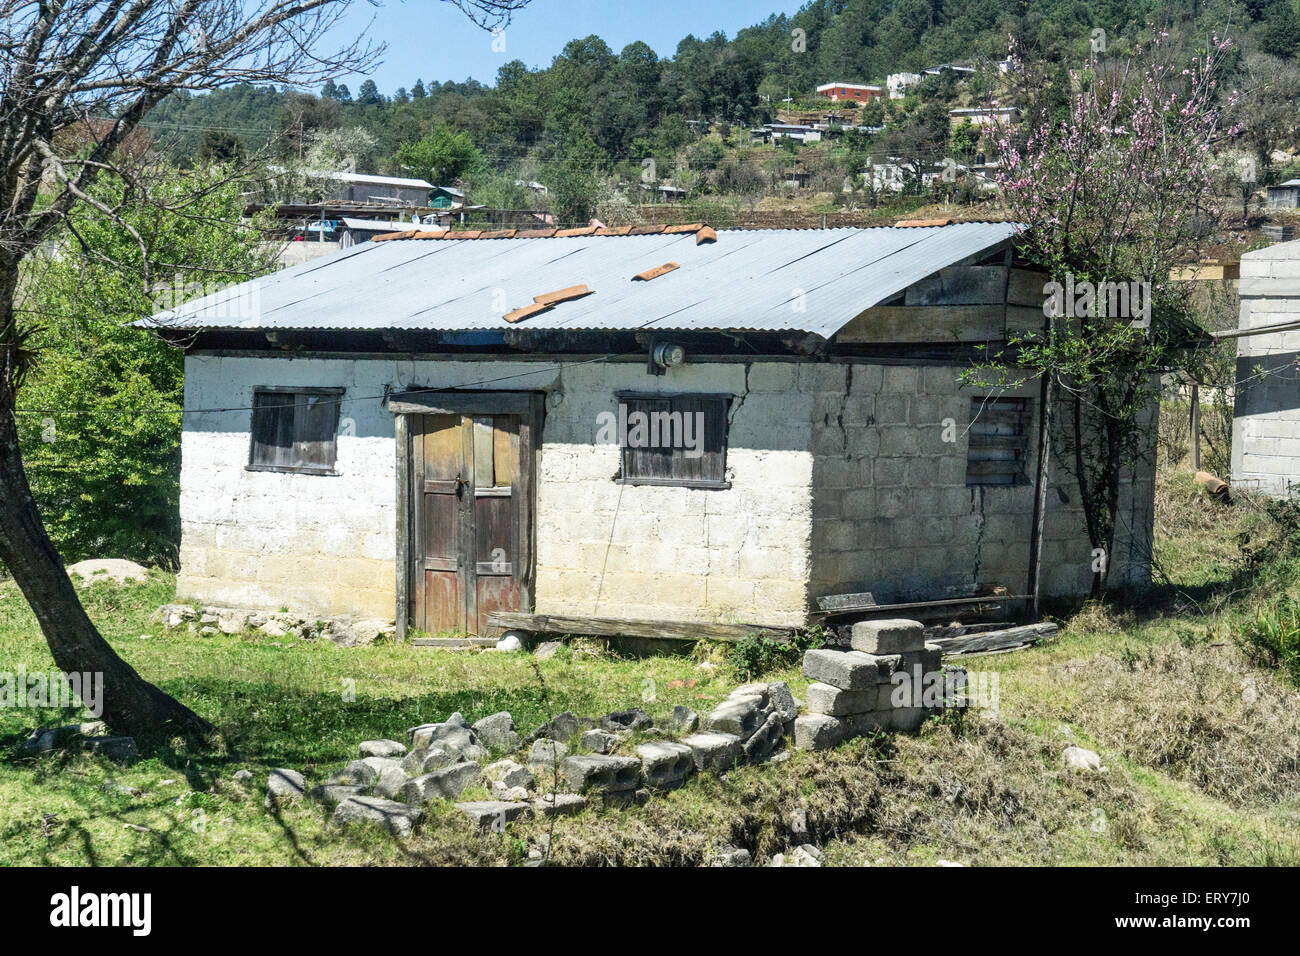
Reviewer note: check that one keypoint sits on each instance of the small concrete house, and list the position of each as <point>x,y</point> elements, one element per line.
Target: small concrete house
<point>1266,414</point>
<point>623,424</point>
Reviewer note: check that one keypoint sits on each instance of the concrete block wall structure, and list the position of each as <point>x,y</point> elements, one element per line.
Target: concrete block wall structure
<point>839,481</point>
<point>892,511</point>
<point>1266,417</point>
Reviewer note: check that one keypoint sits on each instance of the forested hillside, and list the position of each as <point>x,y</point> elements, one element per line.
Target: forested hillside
<point>594,103</point>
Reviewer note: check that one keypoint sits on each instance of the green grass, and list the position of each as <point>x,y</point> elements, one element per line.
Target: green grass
<point>1199,770</point>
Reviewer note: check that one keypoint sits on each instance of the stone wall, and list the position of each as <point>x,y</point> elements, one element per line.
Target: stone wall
<point>1266,422</point>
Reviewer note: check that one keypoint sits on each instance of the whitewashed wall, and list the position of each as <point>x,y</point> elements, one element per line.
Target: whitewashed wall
<point>326,545</point>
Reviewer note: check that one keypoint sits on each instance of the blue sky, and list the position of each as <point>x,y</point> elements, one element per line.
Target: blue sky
<point>433,40</point>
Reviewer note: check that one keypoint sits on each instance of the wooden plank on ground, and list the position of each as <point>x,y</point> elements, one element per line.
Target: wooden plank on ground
<point>1005,639</point>
<point>616,627</point>
<point>840,603</point>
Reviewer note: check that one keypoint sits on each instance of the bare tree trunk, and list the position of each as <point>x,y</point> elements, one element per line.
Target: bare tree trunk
<point>131,704</point>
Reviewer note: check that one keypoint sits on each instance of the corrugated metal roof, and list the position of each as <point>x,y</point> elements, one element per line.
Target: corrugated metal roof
<point>782,280</point>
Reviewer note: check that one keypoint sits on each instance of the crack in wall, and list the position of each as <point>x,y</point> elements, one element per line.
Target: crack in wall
<point>980,523</point>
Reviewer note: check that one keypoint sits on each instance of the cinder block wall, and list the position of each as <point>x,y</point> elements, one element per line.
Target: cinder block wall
<point>891,510</point>
<point>1266,421</point>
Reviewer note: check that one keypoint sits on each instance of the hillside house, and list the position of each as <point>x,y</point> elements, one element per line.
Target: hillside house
<point>900,83</point>
<point>1284,195</point>
<point>854,92</point>
<point>647,424</point>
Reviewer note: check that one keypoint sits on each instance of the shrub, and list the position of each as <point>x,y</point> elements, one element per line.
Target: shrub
<point>754,655</point>
<point>1272,638</point>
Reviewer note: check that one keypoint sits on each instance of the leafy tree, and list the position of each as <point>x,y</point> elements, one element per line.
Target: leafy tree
<point>106,475</point>
<point>1116,193</point>
<point>441,157</point>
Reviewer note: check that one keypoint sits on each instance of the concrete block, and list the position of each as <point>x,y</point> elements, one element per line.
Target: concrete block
<point>509,774</point>
<point>559,804</point>
<point>494,814</point>
<point>765,739</point>
<point>381,748</point>
<point>907,719</point>
<point>546,754</point>
<point>445,784</point>
<point>824,699</point>
<point>739,715</point>
<point>714,751</point>
<point>397,818</point>
<point>390,783</point>
<point>893,636</point>
<point>601,773</point>
<point>600,741</point>
<point>332,794</point>
<point>423,761</point>
<point>665,764</point>
<point>857,725</point>
<point>818,731</point>
<point>848,670</point>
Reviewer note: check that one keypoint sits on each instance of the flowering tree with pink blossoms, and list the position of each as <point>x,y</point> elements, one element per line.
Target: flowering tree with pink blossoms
<point>1113,197</point>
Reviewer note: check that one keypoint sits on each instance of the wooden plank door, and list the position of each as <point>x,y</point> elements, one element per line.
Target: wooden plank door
<point>439,572</point>
<point>468,561</point>
<point>496,518</point>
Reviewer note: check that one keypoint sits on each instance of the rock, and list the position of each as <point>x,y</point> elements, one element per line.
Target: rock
<point>781,701</point>
<point>947,863</point>
<point>600,741</point>
<point>494,814</point>
<point>359,633</point>
<point>174,615</point>
<point>497,732</point>
<point>818,731</point>
<point>849,670</point>
<point>390,783</point>
<point>547,649</point>
<point>332,794</point>
<point>284,786</point>
<point>666,765</point>
<point>796,822</point>
<point>888,637</point>
<point>117,749</point>
<point>546,754</point>
<point>109,569</point>
<point>621,721</point>
<point>208,631</point>
<point>243,776</point>
<point>397,818</point>
<point>715,752</point>
<point>363,772</point>
<point>561,727</point>
<point>508,794</point>
<point>751,690</point>
<point>559,804</point>
<point>730,856</point>
<point>381,748</point>
<point>799,856</point>
<point>423,761</point>
<point>509,774</point>
<point>231,624</point>
<point>1078,758</point>
<point>509,643</point>
<point>601,773</point>
<point>453,736</point>
<point>458,719</point>
<point>274,629</point>
<point>684,720</point>
<point>445,784</point>
<point>56,738</point>
<point>738,714</point>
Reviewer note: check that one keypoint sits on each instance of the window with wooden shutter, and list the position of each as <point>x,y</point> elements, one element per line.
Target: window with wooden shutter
<point>295,429</point>
<point>998,441</point>
<point>674,440</point>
